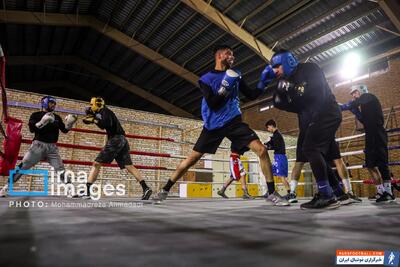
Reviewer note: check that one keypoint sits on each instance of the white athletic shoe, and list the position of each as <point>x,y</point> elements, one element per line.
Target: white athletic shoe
<point>4,191</point>
<point>70,195</point>
<point>277,200</point>
<point>161,196</point>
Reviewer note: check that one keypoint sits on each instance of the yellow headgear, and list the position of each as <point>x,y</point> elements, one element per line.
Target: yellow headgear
<point>97,104</point>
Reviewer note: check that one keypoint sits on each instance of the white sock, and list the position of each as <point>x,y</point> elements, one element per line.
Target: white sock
<point>293,186</point>
<point>347,185</point>
<point>380,188</point>
<point>388,187</point>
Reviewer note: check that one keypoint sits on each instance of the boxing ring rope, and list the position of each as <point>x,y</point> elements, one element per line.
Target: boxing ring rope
<point>134,136</point>
<point>93,148</point>
<point>355,152</point>
<point>141,153</point>
<point>167,155</point>
<point>350,119</point>
<point>89,163</point>
<point>202,170</point>
<point>71,111</point>
<point>13,103</point>
<point>341,139</point>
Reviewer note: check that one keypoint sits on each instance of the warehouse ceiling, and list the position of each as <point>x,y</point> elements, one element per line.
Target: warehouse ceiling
<point>148,54</point>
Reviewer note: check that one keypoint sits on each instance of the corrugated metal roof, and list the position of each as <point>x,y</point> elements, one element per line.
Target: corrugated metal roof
<point>295,24</point>
<point>330,24</point>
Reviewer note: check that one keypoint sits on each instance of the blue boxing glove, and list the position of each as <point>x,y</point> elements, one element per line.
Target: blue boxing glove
<point>346,106</point>
<point>267,76</point>
<point>355,110</point>
<point>356,113</point>
<point>228,81</point>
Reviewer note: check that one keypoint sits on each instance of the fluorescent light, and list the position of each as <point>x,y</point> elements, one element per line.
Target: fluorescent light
<point>351,64</point>
<point>266,108</point>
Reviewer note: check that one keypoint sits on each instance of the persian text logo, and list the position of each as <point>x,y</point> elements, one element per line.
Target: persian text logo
<point>367,257</point>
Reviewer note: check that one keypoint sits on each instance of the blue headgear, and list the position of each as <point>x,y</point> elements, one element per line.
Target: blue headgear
<point>45,102</point>
<point>287,60</point>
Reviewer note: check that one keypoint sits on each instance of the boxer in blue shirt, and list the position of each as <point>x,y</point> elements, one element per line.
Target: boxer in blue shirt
<point>222,118</point>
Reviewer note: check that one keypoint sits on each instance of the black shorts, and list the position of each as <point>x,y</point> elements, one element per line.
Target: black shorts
<point>376,151</point>
<point>334,152</point>
<point>300,157</point>
<point>304,120</point>
<point>238,132</point>
<point>117,148</point>
<point>320,134</point>
<point>239,151</point>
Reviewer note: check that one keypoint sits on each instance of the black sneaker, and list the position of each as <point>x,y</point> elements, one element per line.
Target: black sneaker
<point>222,194</point>
<point>321,203</point>
<point>385,198</point>
<point>315,198</point>
<point>355,198</point>
<point>344,199</point>
<point>246,195</point>
<point>291,197</point>
<point>146,194</point>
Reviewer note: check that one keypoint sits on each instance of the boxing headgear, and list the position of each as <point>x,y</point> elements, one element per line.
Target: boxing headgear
<point>45,102</point>
<point>97,104</point>
<point>287,60</point>
<point>362,88</point>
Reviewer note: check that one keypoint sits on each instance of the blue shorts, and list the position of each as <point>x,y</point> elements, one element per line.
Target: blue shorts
<point>280,165</point>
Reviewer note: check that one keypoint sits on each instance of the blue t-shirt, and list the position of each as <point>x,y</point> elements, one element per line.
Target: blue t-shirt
<point>215,119</point>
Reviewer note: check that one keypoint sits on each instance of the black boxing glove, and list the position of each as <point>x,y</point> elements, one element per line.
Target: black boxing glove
<point>89,111</point>
<point>89,119</point>
<point>283,102</point>
<point>280,100</point>
<point>287,87</point>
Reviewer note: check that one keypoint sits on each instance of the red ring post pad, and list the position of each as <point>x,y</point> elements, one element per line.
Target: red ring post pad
<point>94,148</point>
<point>128,135</point>
<point>88,163</point>
<point>371,181</point>
<point>11,145</point>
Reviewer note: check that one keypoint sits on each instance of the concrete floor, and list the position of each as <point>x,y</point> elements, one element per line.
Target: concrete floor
<point>190,233</point>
